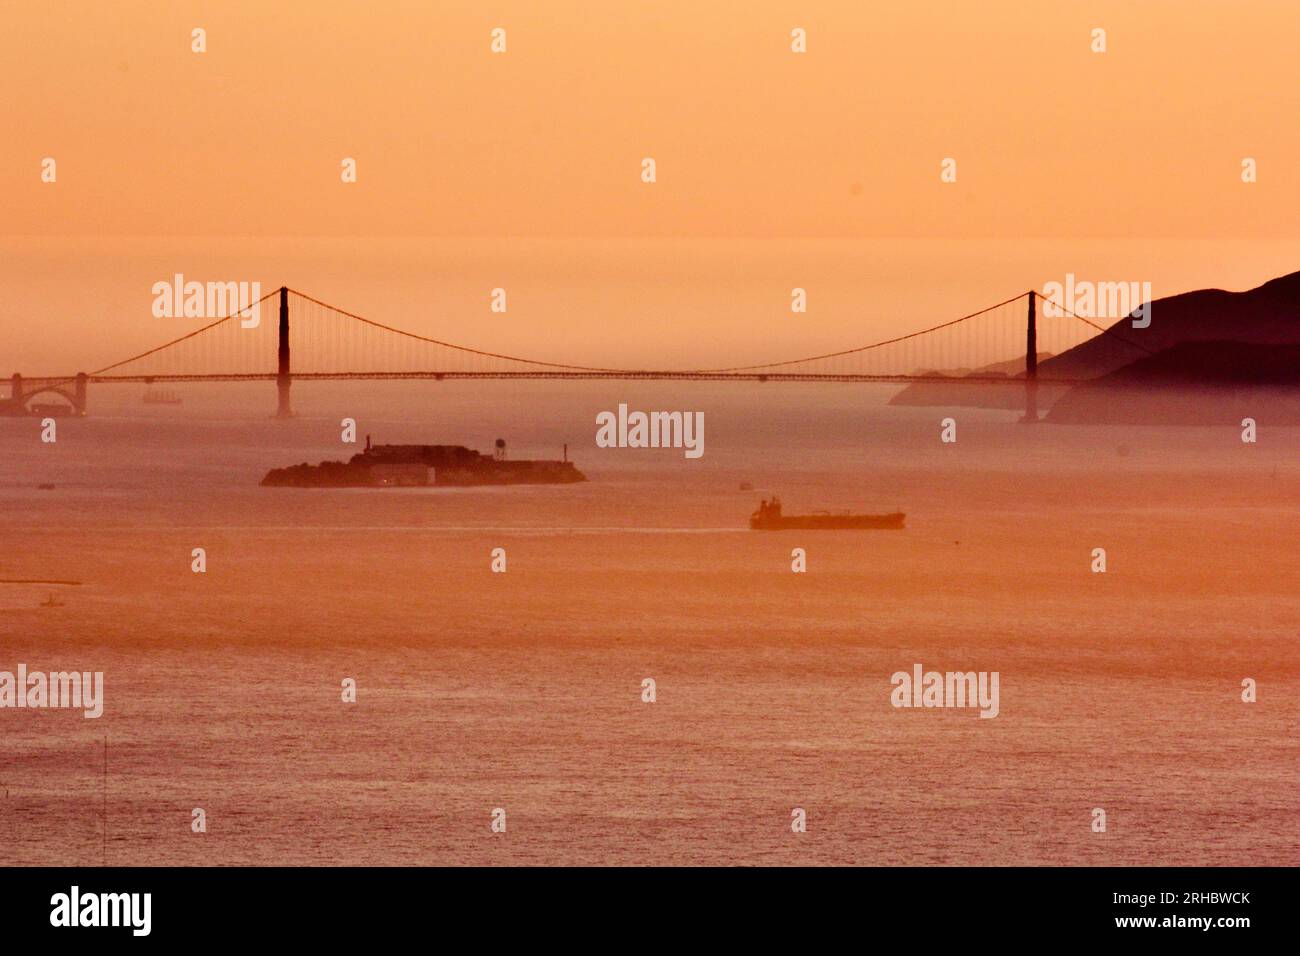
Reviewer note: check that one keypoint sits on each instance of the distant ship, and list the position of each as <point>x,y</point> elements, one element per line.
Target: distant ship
<point>50,408</point>
<point>768,517</point>
<point>415,466</point>
<point>51,601</point>
<point>155,396</point>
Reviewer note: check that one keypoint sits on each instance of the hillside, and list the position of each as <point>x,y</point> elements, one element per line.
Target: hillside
<point>1193,383</point>
<point>1265,316</point>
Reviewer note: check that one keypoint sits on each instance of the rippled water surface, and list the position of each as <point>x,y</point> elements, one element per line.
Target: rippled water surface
<point>523,690</point>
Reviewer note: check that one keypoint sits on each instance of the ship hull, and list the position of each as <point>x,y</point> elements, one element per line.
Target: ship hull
<point>889,522</point>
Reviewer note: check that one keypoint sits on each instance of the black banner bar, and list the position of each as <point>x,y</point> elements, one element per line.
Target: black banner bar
<point>914,905</point>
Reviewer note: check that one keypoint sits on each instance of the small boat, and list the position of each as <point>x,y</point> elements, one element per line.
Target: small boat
<point>54,408</point>
<point>768,517</point>
<point>51,601</point>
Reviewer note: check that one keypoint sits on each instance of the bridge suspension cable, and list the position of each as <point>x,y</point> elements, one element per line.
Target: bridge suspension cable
<point>449,345</point>
<point>188,335</point>
<point>1066,313</point>
<point>329,342</point>
<point>863,348</point>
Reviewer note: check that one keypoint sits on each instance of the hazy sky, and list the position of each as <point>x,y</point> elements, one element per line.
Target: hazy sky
<point>212,155</point>
<point>750,139</point>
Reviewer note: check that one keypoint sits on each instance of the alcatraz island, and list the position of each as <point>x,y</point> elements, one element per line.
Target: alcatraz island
<point>414,466</point>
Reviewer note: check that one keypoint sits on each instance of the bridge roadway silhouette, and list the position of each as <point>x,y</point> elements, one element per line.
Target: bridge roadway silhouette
<point>337,339</point>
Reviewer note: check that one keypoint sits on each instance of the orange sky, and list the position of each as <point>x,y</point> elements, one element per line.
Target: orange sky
<point>1116,166</point>
<point>750,139</point>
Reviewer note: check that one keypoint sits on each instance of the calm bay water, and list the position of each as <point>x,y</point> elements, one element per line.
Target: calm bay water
<point>522,690</point>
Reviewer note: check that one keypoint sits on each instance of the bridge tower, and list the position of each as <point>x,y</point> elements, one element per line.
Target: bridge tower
<point>1031,364</point>
<point>16,393</point>
<point>282,376</point>
<point>79,393</point>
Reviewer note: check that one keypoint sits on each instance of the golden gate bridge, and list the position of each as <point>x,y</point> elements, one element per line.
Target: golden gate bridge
<point>1000,344</point>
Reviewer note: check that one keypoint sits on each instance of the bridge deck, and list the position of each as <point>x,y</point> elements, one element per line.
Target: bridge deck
<point>613,374</point>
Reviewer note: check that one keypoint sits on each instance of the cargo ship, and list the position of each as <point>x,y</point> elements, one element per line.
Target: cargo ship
<point>768,517</point>
<point>416,466</point>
